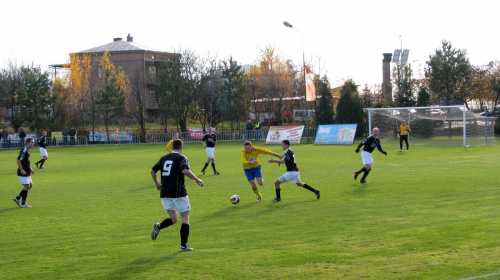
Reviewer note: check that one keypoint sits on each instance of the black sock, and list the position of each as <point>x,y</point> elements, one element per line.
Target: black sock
<point>306,186</point>
<point>24,195</point>
<point>41,164</point>
<point>213,166</point>
<point>366,174</point>
<point>36,163</point>
<point>205,167</point>
<point>167,222</point>
<point>361,170</point>
<point>278,193</point>
<point>184,234</point>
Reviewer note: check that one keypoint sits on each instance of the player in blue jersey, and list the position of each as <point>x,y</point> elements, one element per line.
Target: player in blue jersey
<point>369,144</point>
<point>292,172</point>
<point>174,166</point>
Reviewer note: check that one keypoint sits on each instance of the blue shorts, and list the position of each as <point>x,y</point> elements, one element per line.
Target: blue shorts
<point>253,173</point>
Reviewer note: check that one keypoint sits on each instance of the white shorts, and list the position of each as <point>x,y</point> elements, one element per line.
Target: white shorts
<point>366,157</point>
<point>43,152</point>
<point>210,152</point>
<point>180,204</point>
<point>293,176</point>
<point>25,180</point>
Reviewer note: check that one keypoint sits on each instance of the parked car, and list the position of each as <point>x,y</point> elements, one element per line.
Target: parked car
<point>491,113</point>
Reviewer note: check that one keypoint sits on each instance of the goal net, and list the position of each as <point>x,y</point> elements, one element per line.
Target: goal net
<point>443,125</point>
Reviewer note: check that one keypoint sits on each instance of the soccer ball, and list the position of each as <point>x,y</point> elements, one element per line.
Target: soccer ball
<point>235,199</point>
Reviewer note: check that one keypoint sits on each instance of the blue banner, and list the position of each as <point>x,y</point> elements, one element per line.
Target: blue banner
<point>336,134</point>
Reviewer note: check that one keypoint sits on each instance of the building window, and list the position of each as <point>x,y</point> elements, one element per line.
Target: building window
<point>152,72</point>
<point>99,73</point>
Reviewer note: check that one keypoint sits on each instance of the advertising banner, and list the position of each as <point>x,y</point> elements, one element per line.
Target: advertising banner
<point>277,134</point>
<point>196,133</point>
<point>116,136</point>
<point>336,134</point>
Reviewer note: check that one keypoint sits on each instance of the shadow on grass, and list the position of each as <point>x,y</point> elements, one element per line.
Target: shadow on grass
<point>130,270</point>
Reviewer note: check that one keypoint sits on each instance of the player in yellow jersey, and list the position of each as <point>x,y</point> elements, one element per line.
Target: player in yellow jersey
<point>251,165</point>
<point>403,136</point>
<point>169,144</point>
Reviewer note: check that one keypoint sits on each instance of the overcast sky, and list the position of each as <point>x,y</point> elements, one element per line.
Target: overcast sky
<point>342,39</point>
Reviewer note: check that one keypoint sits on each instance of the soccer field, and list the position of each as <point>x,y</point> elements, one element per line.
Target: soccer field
<point>432,213</point>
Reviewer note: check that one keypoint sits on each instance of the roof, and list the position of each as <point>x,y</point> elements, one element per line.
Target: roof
<point>119,46</point>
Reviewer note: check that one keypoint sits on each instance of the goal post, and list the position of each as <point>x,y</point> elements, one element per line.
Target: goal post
<point>434,125</point>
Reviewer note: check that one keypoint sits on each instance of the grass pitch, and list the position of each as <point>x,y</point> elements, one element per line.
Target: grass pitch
<point>432,213</point>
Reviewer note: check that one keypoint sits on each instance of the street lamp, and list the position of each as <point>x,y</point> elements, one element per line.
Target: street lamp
<point>289,25</point>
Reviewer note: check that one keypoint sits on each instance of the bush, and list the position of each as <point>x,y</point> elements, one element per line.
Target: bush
<point>423,128</point>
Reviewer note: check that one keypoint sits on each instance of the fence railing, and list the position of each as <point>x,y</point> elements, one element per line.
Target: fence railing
<point>233,135</point>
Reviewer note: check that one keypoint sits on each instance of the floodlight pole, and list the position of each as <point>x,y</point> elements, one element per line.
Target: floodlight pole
<point>306,118</point>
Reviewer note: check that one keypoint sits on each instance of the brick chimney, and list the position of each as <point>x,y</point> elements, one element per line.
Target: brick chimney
<point>386,78</point>
<point>117,39</point>
<point>130,38</point>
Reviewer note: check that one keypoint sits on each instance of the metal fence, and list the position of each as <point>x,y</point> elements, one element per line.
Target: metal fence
<point>232,135</point>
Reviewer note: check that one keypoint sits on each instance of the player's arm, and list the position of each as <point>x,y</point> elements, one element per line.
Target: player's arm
<point>379,147</point>
<point>190,174</point>
<point>244,159</point>
<point>20,165</point>
<point>169,146</point>
<point>272,160</point>
<point>359,146</point>
<point>155,179</point>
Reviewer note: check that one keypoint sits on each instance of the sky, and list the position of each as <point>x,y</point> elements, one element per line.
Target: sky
<point>342,39</point>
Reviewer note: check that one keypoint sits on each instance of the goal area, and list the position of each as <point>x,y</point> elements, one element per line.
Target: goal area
<point>436,125</point>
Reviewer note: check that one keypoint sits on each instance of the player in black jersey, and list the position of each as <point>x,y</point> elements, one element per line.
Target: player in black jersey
<point>43,150</point>
<point>209,141</point>
<point>292,172</point>
<point>370,143</point>
<point>173,194</point>
<point>24,172</point>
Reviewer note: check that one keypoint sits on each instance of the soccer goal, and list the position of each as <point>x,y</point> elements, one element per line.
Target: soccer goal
<point>438,125</point>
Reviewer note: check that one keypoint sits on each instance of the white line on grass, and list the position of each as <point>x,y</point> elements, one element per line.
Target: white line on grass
<point>482,276</point>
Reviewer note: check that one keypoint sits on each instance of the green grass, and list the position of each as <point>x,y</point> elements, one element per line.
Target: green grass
<point>432,213</point>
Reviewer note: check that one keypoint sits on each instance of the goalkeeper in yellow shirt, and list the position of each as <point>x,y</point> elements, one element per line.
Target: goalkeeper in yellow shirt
<point>169,144</point>
<point>403,135</point>
<point>251,165</point>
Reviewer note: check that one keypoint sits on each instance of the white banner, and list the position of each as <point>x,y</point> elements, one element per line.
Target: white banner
<point>277,134</point>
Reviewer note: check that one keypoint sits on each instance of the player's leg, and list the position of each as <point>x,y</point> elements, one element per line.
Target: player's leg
<point>185,232</point>
<point>401,138</point>
<point>45,156</point>
<point>277,187</point>
<point>407,144</point>
<point>368,168</point>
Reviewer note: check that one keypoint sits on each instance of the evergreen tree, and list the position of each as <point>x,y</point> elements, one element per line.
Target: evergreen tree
<point>423,98</point>
<point>324,111</point>
<point>350,108</point>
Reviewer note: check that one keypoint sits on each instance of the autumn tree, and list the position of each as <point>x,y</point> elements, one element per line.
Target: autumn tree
<point>278,79</point>
<point>110,100</point>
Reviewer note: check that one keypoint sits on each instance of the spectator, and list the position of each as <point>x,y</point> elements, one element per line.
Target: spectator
<point>5,136</point>
<point>257,130</point>
<point>22,135</point>
<point>65,134</point>
<point>249,128</point>
<point>72,134</point>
